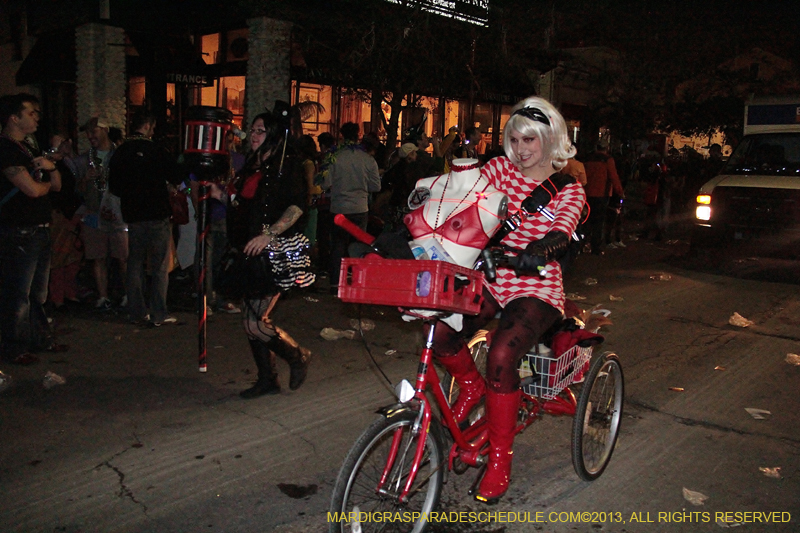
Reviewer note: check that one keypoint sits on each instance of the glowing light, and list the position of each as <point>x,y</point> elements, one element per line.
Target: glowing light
<point>471,11</point>
<point>704,199</point>
<point>703,212</point>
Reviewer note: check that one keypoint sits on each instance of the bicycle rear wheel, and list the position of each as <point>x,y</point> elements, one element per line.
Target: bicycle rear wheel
<point>355,492</point>
<point>597,417</point>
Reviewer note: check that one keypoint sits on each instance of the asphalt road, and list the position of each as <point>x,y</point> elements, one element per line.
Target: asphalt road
<point>137,440</point>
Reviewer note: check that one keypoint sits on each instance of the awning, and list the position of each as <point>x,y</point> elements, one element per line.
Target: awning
<point>51,59</point>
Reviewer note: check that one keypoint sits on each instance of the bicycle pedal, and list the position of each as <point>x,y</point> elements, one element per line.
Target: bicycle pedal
<point>473,490</point>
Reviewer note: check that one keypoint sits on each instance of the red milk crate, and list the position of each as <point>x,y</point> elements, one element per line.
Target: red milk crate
<point>410,283</point>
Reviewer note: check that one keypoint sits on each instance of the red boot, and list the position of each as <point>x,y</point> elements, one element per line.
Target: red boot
<point>502,412</point>
<point>471,385</point>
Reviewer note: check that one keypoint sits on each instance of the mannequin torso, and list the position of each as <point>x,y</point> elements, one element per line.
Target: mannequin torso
<point>461,214</point>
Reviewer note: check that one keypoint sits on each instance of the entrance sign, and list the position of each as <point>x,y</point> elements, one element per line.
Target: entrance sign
<point>189,79</point>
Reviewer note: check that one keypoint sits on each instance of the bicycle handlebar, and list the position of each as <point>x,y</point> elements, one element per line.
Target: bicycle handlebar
<point>358,233</point>
<point>491,257</point>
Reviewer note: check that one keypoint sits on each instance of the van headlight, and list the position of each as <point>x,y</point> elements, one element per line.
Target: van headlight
<point>703,212</point>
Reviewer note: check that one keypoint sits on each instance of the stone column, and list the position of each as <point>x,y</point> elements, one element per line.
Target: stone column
<point>101,81</point>
<point>268,76</point>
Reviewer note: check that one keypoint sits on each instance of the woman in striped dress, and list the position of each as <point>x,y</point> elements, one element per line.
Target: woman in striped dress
<point>536,146</point>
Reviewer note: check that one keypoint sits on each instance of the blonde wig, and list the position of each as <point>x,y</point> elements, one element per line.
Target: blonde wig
<point>536,117</point>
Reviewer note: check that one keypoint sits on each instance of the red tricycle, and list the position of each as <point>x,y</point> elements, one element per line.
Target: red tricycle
<point>399,463</point>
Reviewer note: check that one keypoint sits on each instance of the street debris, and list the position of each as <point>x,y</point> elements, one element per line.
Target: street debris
<point>661,277</point>
<point>693,497</point>
<point>590,281</point>
<point>793,359</point>
<point>738,320</point>
<point>672,241</point>
<point>574,296</point>
<point>118,338</point>
<point>311,299</point>
<point>719,368</point>
<point>366,324</point>
<point>774,472</point>
<point>332,334</point>
<point>390,352</point>
<point>51,379</point>
<point>676,389</point>
<point>355,525</point>
<point>720,523</point>
<point>616,298</point>
<point>758,414</point>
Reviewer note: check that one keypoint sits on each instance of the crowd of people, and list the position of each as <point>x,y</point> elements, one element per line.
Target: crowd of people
<point>271,230</point>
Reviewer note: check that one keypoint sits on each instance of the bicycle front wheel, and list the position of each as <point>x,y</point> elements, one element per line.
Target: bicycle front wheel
<point>359,506</point>
<point>597,417</point>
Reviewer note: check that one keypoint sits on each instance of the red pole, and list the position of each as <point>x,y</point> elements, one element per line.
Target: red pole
<point>203,228</point>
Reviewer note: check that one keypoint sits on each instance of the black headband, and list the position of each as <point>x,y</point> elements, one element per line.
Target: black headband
<point>532,113</point>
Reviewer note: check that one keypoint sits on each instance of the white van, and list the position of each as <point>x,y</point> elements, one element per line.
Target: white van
<point>758,190</point>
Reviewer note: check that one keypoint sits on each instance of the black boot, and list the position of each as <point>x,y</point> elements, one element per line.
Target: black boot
<point>267,377</point>
<point>298,357</point>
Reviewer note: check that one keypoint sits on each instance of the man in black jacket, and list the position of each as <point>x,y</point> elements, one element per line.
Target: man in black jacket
<point>138,174</point>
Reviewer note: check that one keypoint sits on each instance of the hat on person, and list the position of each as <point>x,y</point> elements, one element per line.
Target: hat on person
<point>95,122</point>
<point>406,149</point>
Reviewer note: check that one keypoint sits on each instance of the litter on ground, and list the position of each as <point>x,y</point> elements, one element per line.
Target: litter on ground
<point>720,523</point>
<point>758,414</point>
<point>693,497</point>
<point>676,389</point>
<point>774,472</point>
<point>366,324</point>
<point>793,359</point>
<point>590,281</point>
<point>51,379</point>
<point>575,297</point>
<point>332,334</point>
<point>615,298</point>
<point>390,352</point>
<point>311,299</point>
<point>719,368</point>
<point>661,277</point>
<point>738,320</point>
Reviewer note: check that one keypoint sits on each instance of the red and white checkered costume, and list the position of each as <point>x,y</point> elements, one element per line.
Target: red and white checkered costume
<point>566,207</point>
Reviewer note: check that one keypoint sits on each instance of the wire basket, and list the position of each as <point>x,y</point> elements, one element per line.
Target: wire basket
<point>412,284</point>
<point>544,376</point>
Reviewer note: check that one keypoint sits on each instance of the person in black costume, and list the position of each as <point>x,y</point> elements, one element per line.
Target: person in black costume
<point>264,206</point>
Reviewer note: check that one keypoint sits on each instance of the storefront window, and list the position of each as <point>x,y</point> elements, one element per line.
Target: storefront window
<point>355,109</point>
<point>451,110</point>
<point>136,90</point>
<point>482,119</point>
<point>505,114</point>
<point>231,96</point>
<point>573,129</point>
<point>315,122</point>
<point>226,92</point>
<point>208,95</point>
<point>210,48</point>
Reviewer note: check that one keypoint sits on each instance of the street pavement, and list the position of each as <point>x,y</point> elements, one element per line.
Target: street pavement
<point>137,440</point>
